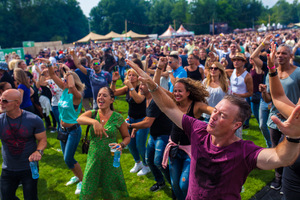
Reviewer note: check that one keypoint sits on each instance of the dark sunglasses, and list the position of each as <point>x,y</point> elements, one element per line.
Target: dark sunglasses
<point>5,101</point>
<point>170,62</point>
<point>96,63</point>
<point>214,68</point>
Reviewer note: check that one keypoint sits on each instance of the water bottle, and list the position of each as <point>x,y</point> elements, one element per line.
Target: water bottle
<point>117,158</point>
<point>34,169</point>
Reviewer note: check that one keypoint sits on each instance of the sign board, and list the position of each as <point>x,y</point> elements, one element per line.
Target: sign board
<point>187,33</point>
<point>28,43</point>
<point>121,39</point>
<point>4,52</point>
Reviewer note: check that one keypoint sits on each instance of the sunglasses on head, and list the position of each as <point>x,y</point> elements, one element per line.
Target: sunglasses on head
<point>96,63</point>
<point>213,68</point>
<point>5,101</point>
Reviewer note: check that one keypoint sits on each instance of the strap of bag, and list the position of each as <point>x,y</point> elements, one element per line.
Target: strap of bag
<point>88,127</point>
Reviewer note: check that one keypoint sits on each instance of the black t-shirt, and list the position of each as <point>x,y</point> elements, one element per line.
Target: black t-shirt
<point>109,61</point>
<point>291,180</point>
<point>7,78</point>
<point>162,125</point>
<point>136,110</point>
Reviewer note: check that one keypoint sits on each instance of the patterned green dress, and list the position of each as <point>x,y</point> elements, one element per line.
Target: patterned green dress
<point>101,179</point>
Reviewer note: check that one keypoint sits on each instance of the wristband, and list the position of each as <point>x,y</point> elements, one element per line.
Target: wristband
<point>271,67</point>
<point>130,126</point>
<point>293,140</point>
<point>48,65</point>
<point>263,44</point>
<point>154,88</point>
<point>159,68</point>
<point>122,145</point>
<point>273,74</point>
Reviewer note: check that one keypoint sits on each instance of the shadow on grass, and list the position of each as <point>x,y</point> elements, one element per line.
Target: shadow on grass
<point>49,192</point>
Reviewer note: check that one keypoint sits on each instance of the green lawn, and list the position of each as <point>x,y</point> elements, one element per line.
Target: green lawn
<point>54,172</point>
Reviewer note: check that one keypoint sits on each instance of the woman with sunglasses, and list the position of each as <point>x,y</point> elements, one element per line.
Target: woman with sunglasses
<point>136,113</point>
<point>69,106</point>
<point>216,84</point>
<point>99,172</point>
<point>189,96</point>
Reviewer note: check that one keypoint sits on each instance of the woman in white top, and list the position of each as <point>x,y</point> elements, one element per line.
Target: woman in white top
<point>216,84</point>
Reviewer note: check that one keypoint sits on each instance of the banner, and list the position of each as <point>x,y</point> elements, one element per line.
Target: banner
<point>4,52</point>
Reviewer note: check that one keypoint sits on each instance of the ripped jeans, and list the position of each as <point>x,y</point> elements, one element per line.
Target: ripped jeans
<point>179,172</point>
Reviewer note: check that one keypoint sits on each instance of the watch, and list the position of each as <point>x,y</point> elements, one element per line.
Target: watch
<point>41,152</point>
<point>169,72</point>
<point>131,89</point>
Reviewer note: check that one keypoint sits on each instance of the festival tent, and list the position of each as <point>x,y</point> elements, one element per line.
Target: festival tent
<point>167,33</point>
<point>182,32</point>
<point>134,35</point>
<point>90,36</point>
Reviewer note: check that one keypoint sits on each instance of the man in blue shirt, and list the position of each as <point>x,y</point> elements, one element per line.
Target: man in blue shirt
<point>88,95</point>
<point>98,78</point>
<point>177,70</point>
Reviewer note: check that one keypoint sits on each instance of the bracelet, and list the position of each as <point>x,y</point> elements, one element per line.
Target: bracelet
<point>154,88</point>
<point>159,68</point>
<point>263,43</point>
<point>130,127</point>
<point>273,74</point>
<point>48,65</point>
<point>293,140</point>
<point>272,67</point>
<point>122,145</point>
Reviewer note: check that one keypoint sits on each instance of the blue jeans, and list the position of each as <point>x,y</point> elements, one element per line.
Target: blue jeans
<point>56,116</point>
<point>137,145</point>
<point>263,118</point>
<point>247,120</point>
<point>179,172</point>
<point>69,148</point>
<point>122,72</point>
<point>155,151</point>
<point>255,109</point>
<point>10,181</point>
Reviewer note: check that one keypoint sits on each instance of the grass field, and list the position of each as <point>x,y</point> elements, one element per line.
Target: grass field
<point>54,172</point>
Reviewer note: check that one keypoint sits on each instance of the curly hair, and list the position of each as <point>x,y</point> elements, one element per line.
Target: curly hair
<point>222,77</point>
<point>197,91</point>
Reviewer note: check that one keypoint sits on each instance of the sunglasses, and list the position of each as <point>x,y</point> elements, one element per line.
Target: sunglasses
<point>5,101</point>
<point>170,62</point>
<point>96,63</point>
<point>56,70</point>
<point>214,68</point>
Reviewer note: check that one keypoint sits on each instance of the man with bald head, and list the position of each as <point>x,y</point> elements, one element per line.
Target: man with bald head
<point>20,131</point>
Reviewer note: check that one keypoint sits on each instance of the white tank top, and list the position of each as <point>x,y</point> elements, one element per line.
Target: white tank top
<point>237,83</point>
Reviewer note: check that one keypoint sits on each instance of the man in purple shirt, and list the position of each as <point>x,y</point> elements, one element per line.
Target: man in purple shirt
<point>220,161</point>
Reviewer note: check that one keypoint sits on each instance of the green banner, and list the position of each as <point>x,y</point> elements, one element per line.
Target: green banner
<point>28,43</point>
<point>18,51</point>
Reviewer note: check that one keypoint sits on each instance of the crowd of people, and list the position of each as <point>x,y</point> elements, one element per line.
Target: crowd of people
<point>194,95</point>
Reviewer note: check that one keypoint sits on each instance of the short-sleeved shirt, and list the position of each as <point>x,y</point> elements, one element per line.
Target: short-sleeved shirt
<point>178,73</point>
<point>18,139</point>
<point>85,79</point>
<point>109,61</point>
<point>213,168</point>
<point>162,125</point>
<point>98,80</point>
<point>291,87</point>
<point>26,96</point>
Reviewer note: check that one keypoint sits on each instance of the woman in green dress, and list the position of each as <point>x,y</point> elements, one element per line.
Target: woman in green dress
<point>100,175</point>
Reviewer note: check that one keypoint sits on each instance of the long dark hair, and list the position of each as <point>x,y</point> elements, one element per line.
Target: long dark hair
<point>111,94</point>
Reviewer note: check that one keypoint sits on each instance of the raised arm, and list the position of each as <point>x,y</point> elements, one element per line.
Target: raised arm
<point>77,63</point>
<point>162,100</point>
<point>286,152</point>
<point>280,100</point>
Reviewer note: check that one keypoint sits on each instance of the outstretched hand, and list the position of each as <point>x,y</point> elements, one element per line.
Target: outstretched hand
<point>291,127</point>
<point>271,57</point>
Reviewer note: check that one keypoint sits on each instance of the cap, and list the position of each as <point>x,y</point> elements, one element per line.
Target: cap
<point>3,65</point>
<point>239,56</point>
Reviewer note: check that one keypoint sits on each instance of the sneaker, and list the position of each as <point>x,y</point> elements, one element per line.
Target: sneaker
<point>137,167</point>
<point>276,184</point>
<point>281,192</point>
<point>53,131</point>
<point>157,186</point>
<point>73,180</point>
<point>78,188</point>
<point>145,170</point>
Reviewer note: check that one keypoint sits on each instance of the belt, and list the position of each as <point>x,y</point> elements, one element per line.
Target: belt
<point>69,129</point>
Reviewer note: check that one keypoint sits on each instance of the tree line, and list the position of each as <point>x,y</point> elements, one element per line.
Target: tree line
<point>50,20</point>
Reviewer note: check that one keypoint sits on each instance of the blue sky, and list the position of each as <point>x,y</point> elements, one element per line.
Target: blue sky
<point>87,5</point>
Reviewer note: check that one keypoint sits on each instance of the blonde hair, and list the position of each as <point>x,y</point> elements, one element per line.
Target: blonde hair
<point>21,77</point>
<point>132,70</point>
<point>78,84</point>
<point>222,77</point>
<point>12,64</point>
<point>197,91</point>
